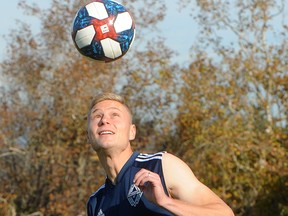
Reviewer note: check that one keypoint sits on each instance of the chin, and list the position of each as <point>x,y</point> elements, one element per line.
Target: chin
<point>99,146</point>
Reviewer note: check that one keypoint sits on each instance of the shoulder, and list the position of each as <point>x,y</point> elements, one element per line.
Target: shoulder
<point>143,157</point>
<point>92,201</point>
<point>152,162</point>
<point>177,174</point>
<point>98,192</point>
<point>172,161</point>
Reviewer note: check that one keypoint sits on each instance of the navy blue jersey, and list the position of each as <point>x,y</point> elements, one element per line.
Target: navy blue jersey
<point>125,198</point>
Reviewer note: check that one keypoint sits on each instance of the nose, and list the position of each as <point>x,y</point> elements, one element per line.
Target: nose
<point>104,120</point>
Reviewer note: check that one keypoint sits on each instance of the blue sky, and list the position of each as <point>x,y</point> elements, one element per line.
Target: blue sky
<point>176,36</point>
<point>178,27</point>
<point>9,15</point>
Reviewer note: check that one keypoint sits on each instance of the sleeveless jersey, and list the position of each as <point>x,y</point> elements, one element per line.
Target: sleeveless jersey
<point>125,198</point>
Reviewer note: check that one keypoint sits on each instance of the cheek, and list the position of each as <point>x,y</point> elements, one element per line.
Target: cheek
<point>92,127</point>
<point>93,123</point>
<point>128,131</point>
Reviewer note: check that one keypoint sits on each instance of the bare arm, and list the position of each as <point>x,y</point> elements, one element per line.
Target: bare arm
<point>188,196</point>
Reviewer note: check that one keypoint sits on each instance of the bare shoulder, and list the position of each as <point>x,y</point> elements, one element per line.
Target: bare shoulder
<point>173,161</point>
<point>183,184</point>
<point>172,164</point>
<point>178,175</point>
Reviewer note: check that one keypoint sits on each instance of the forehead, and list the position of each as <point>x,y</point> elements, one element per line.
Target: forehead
<point>109,105</point>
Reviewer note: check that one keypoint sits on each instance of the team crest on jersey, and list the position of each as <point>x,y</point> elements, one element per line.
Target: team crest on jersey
<point>134,195</point>
<point>100,213</point>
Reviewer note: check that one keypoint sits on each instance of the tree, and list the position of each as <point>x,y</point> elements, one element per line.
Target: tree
<point>46,165</point>
<point>225,114</point>
<point>232,122</point>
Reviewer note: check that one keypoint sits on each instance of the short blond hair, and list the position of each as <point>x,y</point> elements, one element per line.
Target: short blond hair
<point>109,96</point>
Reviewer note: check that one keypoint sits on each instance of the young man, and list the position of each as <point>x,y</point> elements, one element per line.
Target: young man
<point>141,184</point>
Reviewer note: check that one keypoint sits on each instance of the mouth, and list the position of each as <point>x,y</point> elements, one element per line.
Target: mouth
<point>106,132</point>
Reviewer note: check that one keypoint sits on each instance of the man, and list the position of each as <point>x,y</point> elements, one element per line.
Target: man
<point>141,184</point>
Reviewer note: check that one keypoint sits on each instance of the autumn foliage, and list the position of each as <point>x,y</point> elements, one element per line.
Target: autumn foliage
<point>225,113</point>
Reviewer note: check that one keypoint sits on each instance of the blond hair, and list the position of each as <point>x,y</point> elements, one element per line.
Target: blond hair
<point>109,96</point>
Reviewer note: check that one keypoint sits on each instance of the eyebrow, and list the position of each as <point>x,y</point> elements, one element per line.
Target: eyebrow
<point>110,108</point>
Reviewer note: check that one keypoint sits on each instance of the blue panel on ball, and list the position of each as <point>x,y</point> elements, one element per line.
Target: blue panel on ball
<point>82,19</point>
<point>94,51</point>
<point>125,38</point>
<point>113,8</point>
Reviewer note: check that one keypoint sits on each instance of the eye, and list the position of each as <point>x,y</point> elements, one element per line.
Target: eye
<point>115,114</point>
<point>96,115</point>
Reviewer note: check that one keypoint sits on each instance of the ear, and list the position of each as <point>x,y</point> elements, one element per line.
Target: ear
<point>132,133</point>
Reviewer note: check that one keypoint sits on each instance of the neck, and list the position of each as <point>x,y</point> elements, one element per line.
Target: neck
<point>113,162</point>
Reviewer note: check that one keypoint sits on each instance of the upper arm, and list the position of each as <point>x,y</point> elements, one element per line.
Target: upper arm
<point>182,183</point>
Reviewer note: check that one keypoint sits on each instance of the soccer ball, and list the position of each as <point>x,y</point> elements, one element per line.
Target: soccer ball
<point>103,30</point>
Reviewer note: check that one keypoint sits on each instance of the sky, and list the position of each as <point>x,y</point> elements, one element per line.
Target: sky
<point>9,15</point>
<point>175,36</point>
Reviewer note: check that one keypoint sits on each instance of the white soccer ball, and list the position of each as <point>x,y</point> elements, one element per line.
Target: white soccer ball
<point>103,30</point>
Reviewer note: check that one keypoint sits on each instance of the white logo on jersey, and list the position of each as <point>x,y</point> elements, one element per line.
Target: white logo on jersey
<point>134,195</point>
<point>100,213</point>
